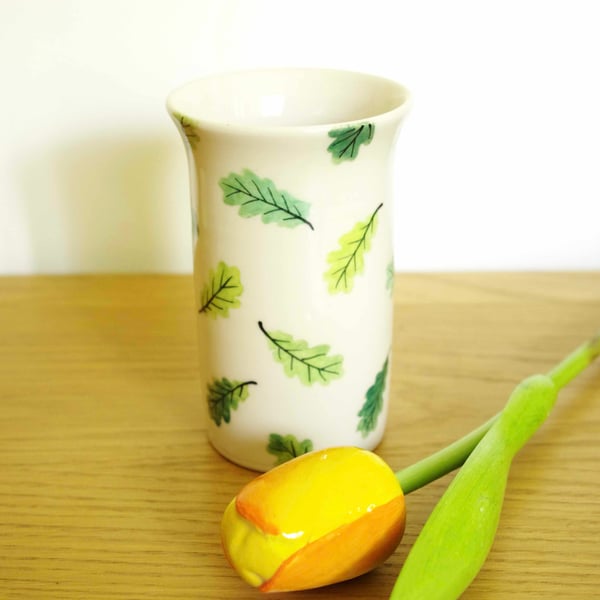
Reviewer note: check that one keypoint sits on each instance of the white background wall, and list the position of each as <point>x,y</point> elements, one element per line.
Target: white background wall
<point>498,165</point>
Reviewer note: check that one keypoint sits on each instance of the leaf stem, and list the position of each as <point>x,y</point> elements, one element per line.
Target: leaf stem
<point>361,241</point>
<point>222,286</point>
<point>293,215</point>
<point>453,456</point>
<point>304,360</point>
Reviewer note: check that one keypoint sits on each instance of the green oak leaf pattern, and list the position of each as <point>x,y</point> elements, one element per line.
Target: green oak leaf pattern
<point>348,140</point>
<point>260,197</point>
<point>309,364</point>
<point>224,396</point>
<point>389,280</point>
<point>188,129</point>
<point>371,409</point>
<point>348,260</point>
<point>221,292</point>
<point>286,447</point>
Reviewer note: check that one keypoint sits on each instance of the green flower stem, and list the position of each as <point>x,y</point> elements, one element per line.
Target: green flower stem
<point>574,363</point>
<point>442,462</point>
<point>453,456</point>
<point>456,538</point>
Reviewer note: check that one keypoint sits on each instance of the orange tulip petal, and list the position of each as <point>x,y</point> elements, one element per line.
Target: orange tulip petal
<point>290,497</point>
<point>253,512</point>
<point>346,552</point>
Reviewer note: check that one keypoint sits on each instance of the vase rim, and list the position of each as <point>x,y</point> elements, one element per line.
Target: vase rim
<point>287,100</point>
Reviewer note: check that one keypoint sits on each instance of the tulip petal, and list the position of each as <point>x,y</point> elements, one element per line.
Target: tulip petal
<point>317,492</point>
<point>255,556</point>
<point>347,552</point>
<point>323,517</point>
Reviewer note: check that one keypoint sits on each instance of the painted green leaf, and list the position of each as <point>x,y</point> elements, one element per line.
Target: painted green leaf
<point>221,292</point>
<point>188,129</point>
<point>310,364</point>
<point>224,396</point>
<point>259,197</point>
<point>389,281</point>
<point>348,140</point>
<point>287,447</point>
<point>348,260</point>
<point>371,409</point>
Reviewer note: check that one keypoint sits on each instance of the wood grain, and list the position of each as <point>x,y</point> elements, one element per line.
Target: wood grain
<point>109,490</point>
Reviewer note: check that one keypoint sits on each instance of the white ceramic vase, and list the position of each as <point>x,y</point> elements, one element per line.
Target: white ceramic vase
<point>290,174</point>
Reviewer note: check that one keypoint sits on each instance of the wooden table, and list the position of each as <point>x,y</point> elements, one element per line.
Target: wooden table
<point>109,490</point>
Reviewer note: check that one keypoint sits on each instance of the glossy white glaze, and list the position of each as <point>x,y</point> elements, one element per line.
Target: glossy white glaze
<point>292,218</point>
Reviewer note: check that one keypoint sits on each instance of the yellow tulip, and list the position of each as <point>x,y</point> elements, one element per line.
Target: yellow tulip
<point>323,517</point>
<point>326,516</point>
<point>332,515</point>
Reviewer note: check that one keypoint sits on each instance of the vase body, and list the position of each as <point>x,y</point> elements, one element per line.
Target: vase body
<point>291,194</point>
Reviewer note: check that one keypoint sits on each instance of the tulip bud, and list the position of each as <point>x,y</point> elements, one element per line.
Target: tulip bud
<point>318,519</point>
